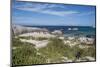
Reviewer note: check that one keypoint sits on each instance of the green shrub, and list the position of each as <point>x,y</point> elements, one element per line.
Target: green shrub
<point>25,54</point>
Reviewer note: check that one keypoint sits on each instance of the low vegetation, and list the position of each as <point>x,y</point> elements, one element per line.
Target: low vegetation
<point>26,53</point>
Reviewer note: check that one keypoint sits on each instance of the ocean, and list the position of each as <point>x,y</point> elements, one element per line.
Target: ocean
<point>71,30</point>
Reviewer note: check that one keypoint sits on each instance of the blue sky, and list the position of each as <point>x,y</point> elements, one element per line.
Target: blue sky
<point>30,13</point>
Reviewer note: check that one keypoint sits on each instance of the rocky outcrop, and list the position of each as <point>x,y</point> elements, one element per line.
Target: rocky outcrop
<point>57,32</point>
<point>18,29</point>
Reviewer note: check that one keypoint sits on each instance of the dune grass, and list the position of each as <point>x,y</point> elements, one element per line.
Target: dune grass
<point>26,53</point>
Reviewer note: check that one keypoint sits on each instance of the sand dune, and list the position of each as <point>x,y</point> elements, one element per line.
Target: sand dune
<point>38,44</point>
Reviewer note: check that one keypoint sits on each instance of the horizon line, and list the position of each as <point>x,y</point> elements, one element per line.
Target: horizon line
<point>57,25</point>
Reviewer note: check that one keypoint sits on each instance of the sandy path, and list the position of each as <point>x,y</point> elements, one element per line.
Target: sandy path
<point>38,44</point>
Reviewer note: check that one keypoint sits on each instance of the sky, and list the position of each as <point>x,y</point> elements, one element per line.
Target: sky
<point>35,13</point>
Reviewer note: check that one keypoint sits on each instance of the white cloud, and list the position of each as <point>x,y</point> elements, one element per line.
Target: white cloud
<point>84,14</point>
<point>51,12</point>
<point>46,9</point>
<point>59,13</point>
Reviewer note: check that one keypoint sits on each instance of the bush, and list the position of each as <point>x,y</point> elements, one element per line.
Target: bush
<point>25,54</point>
<point>56,49</point>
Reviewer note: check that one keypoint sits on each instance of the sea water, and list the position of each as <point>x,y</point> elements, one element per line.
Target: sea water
<point>71,30</point>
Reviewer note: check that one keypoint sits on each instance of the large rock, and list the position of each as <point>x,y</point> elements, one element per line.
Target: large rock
<point>57,32</point>
<point>18,29</point>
